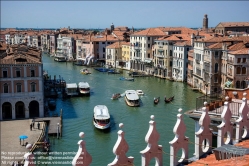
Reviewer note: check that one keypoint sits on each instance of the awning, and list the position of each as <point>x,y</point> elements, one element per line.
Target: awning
<point>228,83</point>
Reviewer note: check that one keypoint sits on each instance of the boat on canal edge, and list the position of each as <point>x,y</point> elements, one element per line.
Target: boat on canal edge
<point>101,117</point>
<point>131,98</point>
<point>71,89</point>
<point>84,88</point>
<point>126,79</point>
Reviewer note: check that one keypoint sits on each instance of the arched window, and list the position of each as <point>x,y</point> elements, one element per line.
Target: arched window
<point>243,70</point>
<point>216,67</point>
<point>238,70</point>
<point>237,84</point>
<point>243,84</point>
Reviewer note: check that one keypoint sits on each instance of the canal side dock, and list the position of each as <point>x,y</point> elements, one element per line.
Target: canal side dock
<point>52,123</point>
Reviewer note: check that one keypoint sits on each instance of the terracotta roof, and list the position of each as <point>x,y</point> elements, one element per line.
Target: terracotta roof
<point>184,30</point>
<point>244,51</point>
<point>215,46</point>
<point>210,160</point>
<point>234,24</point>
<point>183,43</point>
<point>117,45</point>
<point>3,46</point>
<point>21,54</point>
<point>150,32</point>
<point>236,46</point>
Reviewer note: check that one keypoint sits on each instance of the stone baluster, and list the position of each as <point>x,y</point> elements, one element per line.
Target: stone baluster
<point>120,149</point>
<point>203,137</point>
<point>153,150</point>
<point>226,126</point>
<point>180,142</point>
<point>242,123</point>
<point>29,157</point>
<point>82,157</point>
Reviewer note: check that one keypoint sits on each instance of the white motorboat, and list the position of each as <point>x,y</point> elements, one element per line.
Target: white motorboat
<point>101,117</point>
<point>84,88</point>
<point>140,92</point>
<point>132,98</point>
<point>72,89</point>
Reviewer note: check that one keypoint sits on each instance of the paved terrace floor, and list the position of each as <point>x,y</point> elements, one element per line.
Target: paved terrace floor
<point>11,150</point>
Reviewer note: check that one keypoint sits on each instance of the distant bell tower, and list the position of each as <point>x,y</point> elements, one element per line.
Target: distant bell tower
<point>112,27</point>
<point>205,22</point>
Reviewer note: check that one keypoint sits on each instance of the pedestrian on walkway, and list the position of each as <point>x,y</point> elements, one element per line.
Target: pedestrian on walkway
<point>38,126</point>
<point>20,141</point>
<point>33,123</point>
<point>30,126</point>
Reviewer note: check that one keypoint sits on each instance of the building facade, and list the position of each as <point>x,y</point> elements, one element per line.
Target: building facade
<point>21,92</point>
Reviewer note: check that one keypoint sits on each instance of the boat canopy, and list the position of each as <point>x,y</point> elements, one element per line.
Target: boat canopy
<point>101,112</point>
<point>71,85</point>
<point>131,95</point>
<point>83,85</point>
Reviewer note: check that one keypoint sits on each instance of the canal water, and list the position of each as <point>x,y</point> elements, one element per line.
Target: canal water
<point>78,113</point>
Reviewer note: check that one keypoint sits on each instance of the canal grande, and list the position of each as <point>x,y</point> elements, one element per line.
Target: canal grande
<point>78,113</point>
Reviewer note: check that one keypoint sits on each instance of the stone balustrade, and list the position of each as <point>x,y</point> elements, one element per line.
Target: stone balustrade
<point>203,140</point>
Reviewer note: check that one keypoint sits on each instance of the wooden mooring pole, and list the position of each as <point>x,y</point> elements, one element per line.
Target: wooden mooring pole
<point>61,123</point>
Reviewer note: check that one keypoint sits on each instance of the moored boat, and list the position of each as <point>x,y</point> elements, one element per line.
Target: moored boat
<point>71,89</point>
<point>131,98</point>
<point>84,88</point>
<point>126,79</point>
<point>101,117</point>
<point>51,104</point>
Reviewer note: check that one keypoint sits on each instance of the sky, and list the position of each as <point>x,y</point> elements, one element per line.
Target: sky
<point>137,14</point>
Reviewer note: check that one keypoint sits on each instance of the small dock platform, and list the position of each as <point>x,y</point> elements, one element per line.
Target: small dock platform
<point>52,123</point>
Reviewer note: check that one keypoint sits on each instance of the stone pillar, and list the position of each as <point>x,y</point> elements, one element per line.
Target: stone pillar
<point>226,126</point>
<point>120,149</point>
<point>82,158</point>
<point>13,106</point>
<point>203,140</point>
<point>153,150</point>
<point>242,124</point>
<point>180,142</point>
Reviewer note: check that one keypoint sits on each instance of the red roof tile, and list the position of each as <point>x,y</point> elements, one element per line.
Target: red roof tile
<point>210,160</point>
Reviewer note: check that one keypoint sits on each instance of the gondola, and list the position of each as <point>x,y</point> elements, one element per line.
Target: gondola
<point>156,100</point>
<point>116,96</point>
<point>168,100</point>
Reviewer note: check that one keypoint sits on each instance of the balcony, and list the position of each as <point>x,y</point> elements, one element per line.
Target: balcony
<point>230,61</point>
<point>137,48</point>
<point>159,56</point>
<point>137,58</point>
<point>148,60</point>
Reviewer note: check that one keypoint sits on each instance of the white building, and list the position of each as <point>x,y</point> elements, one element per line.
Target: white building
<point>65,47</point>
<point>141,48</point>
<point>180,60</point>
